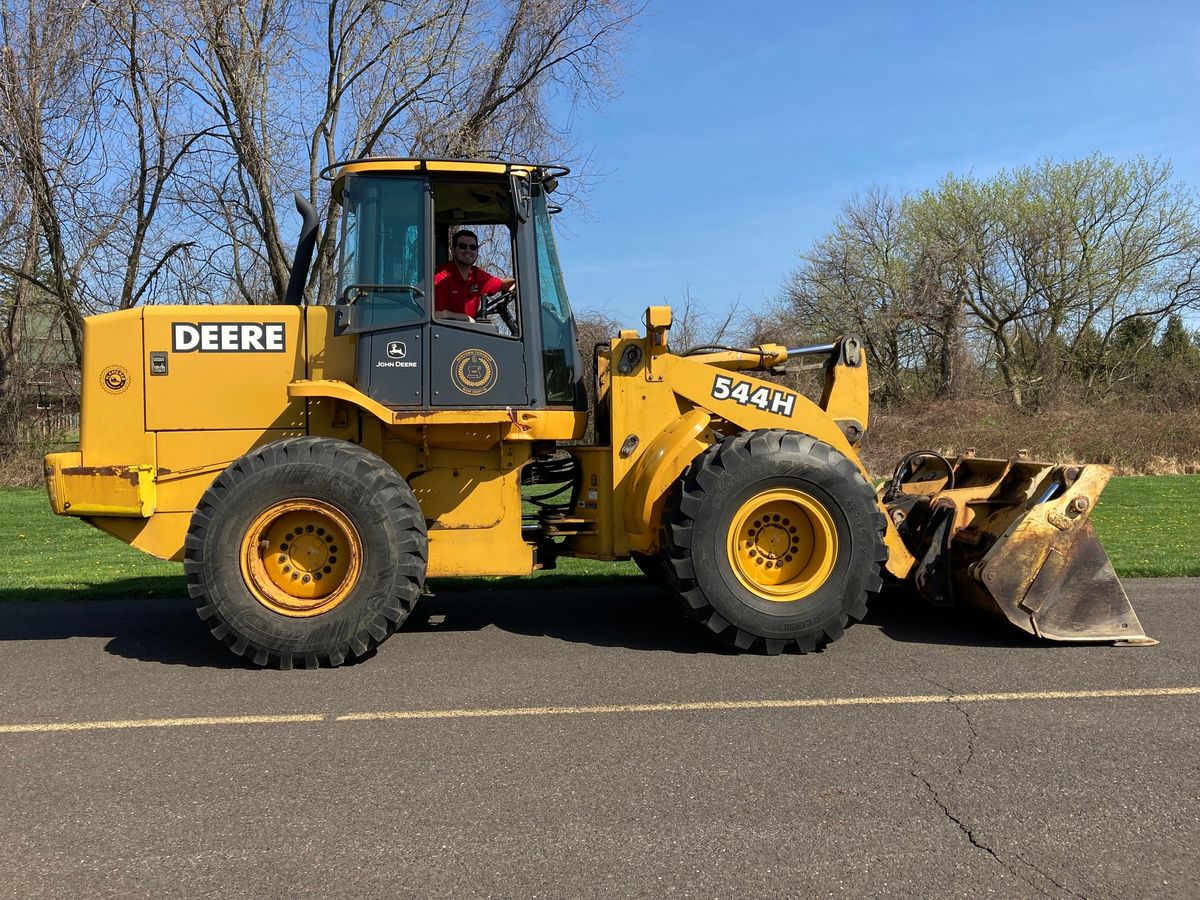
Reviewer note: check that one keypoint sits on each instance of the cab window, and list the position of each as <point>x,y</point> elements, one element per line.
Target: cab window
<point>482,207</point>
<point>383,249</point>
<point>558,338</point>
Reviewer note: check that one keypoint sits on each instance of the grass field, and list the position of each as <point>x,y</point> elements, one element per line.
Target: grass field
<point>1147,524</point>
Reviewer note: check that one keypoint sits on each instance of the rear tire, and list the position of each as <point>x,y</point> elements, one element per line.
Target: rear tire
<point>774,541</point>
<point>306,552</point>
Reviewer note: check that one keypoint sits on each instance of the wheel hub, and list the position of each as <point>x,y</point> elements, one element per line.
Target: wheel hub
<point>783,544</point>
<point>301,557</point>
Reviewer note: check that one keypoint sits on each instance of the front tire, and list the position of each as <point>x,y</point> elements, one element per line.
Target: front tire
<point>307,551</point>
<point>773,541</point>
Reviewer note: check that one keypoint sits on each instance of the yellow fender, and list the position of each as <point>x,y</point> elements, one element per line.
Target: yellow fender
<point>658,468</point>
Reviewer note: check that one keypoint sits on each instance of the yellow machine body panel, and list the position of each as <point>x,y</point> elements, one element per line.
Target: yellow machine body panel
<point>112,416</point>
<point>473,517</point>
<point>665,410</point>
<point>228,367</point>
<point>108,491</point>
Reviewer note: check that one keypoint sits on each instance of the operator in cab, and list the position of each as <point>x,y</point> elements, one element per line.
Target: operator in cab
<point>459,286</point>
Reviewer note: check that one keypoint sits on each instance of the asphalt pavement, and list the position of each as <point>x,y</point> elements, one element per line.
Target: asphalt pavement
<point>589,743</point>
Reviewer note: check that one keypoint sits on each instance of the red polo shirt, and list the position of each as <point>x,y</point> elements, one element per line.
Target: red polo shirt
<point>454,293</point>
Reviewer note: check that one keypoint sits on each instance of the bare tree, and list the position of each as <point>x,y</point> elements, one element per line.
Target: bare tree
<point>142,107</point>
<point>858,279</point>
<point>291,87</point>
<point>48,78</point>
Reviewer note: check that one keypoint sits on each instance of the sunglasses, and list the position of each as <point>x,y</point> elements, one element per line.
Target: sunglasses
<point>467,246</point>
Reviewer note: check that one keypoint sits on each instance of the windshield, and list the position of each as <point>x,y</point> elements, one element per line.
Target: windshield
<point>383,249</point>
<point>559,353</point>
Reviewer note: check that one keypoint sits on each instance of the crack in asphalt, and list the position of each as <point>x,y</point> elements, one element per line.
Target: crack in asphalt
<point>968,832</point>
<point>1061,887</point>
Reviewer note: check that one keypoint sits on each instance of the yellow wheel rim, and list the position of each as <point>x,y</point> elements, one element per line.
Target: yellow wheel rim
<point>301,557</point>
<point>782,545</point>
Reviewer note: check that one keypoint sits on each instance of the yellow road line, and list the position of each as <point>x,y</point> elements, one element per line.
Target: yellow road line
<point>817,702</point>
<point>157,723</point>
<point>698,706</point>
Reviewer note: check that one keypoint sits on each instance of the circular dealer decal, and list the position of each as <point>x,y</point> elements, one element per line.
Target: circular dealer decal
<point>473,372</point>
<point>115,379</point>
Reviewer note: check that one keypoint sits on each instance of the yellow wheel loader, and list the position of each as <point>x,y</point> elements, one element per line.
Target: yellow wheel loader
<point>312,465</point>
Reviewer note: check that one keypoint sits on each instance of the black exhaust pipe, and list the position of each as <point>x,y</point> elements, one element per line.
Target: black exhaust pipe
<point>304,251</point>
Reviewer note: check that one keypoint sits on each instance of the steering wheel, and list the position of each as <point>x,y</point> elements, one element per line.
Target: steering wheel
<point>500,300</point>
<point>500,303</point>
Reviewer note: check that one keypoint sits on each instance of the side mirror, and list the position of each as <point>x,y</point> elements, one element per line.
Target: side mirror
<point>521,196</point>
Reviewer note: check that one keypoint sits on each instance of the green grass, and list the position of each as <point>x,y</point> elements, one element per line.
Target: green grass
<point>49,557</point>
<point>1147,525</point>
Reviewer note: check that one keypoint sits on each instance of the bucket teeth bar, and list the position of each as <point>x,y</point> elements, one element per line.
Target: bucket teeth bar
<point>1015,538</point>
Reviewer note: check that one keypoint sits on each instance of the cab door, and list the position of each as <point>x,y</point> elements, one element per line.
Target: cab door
<point>385,285</point>
<point>474,366</point>
<point>479,364</point>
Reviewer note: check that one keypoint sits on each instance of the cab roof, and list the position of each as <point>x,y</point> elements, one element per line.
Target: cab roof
<point>458,166</point>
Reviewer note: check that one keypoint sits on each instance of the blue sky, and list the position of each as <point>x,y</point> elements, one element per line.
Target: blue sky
<point>742,128</point>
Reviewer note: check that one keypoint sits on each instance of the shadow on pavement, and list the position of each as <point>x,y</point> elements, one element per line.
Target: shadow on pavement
<point>634,616</point>
<point>160,631</point>
<point>907,620</point>
<point>640,617</point>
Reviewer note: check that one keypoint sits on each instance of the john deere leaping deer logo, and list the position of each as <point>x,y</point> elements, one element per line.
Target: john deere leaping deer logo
<point>473,372</point>
<point>115,379</point>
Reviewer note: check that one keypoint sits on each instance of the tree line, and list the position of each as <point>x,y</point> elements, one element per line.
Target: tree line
<point>1063,278</point>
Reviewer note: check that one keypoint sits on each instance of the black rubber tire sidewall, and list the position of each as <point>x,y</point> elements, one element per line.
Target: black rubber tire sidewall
<point>372,495</point>
<point>702,511</point>
<point>752,612</point>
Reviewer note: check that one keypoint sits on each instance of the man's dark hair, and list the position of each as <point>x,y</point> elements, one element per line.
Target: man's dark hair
<point>463,233</point>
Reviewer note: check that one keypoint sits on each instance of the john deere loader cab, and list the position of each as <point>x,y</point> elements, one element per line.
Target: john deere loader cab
<point>517,351</point>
